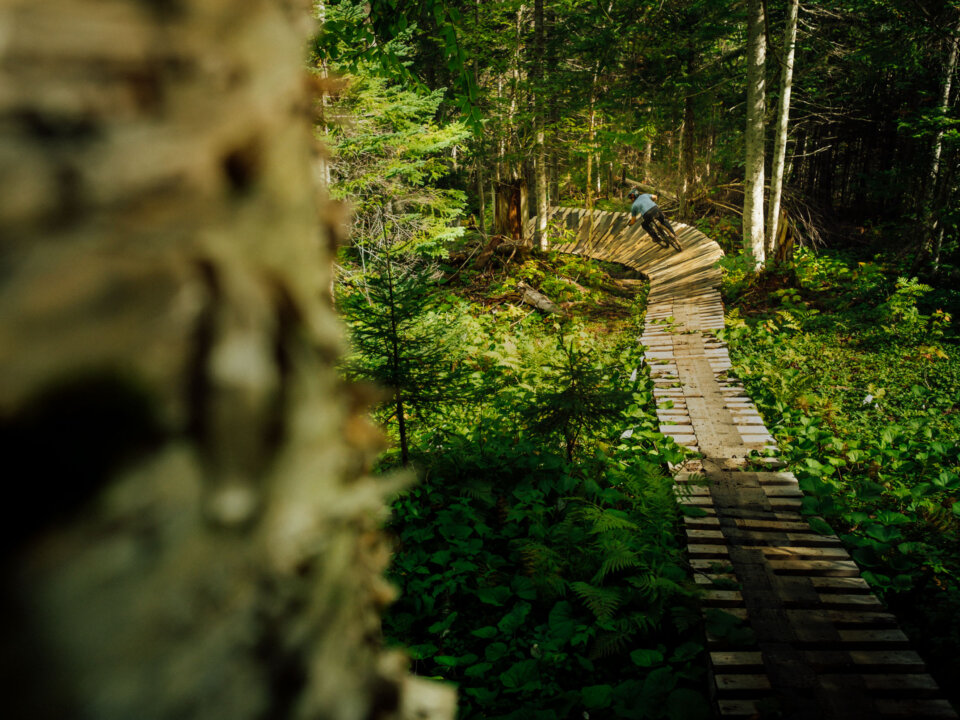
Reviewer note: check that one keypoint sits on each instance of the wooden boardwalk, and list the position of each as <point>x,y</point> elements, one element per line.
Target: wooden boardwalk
<point>823,645</point>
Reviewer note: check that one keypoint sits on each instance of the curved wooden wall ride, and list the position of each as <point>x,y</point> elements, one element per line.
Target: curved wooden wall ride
<point>825,647</point>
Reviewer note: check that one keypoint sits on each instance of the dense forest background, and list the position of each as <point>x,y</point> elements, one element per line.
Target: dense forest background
<point>573,97</point>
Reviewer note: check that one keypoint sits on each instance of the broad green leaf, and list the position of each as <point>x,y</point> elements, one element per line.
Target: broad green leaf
<point>422,652</point>
<point>495,651</point>
<point>494,595</point>
<point>819,525</point>
<point>646,658</point>
<point>561,621</point>
<point>687,651</point>
<point>597,696</point>
<point>520,675</point>
<point>512,621</point>
<point>478,670</point>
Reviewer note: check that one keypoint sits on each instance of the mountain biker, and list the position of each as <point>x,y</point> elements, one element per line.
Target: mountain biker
<point>645,206</point>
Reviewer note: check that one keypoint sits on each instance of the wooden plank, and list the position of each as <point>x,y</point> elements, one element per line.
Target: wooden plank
<point>850,601</point>
<point>894,636</point>
<point>722,598</point>
<point>725,661</point>
<point>738,708</point>
<point>915,709</point>
<point>742,681</point>
<point>707,551</point>
<point>827,584</point>
<point>900,682</point>
<point>902,660</point>
<point>842,568</point>
<point>712,578</point>
<point>708,565</point>
<point>783,552</point>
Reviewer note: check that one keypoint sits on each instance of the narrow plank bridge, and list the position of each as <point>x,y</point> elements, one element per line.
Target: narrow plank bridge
<point>825,645</point>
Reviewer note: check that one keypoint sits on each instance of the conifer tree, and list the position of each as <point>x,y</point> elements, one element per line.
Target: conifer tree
<point>400,342</point>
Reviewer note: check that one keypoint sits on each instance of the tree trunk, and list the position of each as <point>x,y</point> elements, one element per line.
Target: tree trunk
<point>199,538</point>
<point>783,120</point>
<point>647,160</point>
<point>543,202</point>
<point>687,146</point>
<point>930,187</point>
<point>511,210</point>
<point>481,197</point>
<point>756,90</point>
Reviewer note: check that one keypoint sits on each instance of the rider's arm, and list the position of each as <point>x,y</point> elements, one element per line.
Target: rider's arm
<point>633,219</point>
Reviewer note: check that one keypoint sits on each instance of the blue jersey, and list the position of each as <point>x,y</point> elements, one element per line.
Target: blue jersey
<point>642,205</point>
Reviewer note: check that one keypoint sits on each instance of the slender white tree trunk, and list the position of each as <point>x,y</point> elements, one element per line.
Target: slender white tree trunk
<point>931,236</point>
<point>647,160</point>
<point>756,101</point>
<point>543,200</point>
<point>783,120</point>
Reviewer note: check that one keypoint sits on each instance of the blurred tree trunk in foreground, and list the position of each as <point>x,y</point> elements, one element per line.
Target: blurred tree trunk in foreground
<point>194,535</point>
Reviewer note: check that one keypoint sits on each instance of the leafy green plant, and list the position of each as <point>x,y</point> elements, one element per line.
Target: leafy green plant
<point>578,395</point>
<point>554,575</point>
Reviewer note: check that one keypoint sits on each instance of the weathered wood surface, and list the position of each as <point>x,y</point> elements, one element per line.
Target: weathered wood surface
<point>824,645</point>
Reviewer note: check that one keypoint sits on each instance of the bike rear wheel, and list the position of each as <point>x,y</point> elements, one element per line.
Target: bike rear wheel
<point>674,241</point>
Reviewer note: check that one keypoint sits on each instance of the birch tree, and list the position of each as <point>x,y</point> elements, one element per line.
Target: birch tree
<point>756,103</point>
<point>216,554</point>
<point>783,119</point>
<point>932,234</point>
<point>543,201</point>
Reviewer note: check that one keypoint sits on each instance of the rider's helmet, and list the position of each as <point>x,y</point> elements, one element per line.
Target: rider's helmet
<point>634,194</point>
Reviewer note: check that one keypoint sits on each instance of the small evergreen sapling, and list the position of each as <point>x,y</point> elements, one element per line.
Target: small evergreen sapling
<point>399,339</point>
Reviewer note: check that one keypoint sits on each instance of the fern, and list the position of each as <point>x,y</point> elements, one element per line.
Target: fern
<point>606,520</point>
<point>603,602</point>
<point>620,557</point>
<point>615,638</point>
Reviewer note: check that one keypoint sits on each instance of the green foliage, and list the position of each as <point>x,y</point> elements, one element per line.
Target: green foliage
<point>901,319</point>
<point>390,155</point>
<point>400,341</point>
<point>379,34</point>
<point>527,571</point>
<point>551,577</point>
<point>578,393</point>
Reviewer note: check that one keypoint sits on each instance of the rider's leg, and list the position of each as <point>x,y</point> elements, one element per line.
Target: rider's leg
<point>662,219</point>
<point>647,223</point>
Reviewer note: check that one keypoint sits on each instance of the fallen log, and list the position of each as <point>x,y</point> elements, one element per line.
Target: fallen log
<point>662,195</point>
<point>537,299</point>
<point>487,252</point>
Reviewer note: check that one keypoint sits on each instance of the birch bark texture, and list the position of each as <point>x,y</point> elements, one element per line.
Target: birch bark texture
<point>212,551</point>
<point>783,122</point>
<point>931,240</point>
<point>756,104</point>
<point>543,201</point>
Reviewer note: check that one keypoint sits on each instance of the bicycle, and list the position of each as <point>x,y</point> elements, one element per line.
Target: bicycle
<point>668,239</point>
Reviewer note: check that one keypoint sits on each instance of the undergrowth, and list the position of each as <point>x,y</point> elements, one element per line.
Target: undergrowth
<point>539,560</point>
